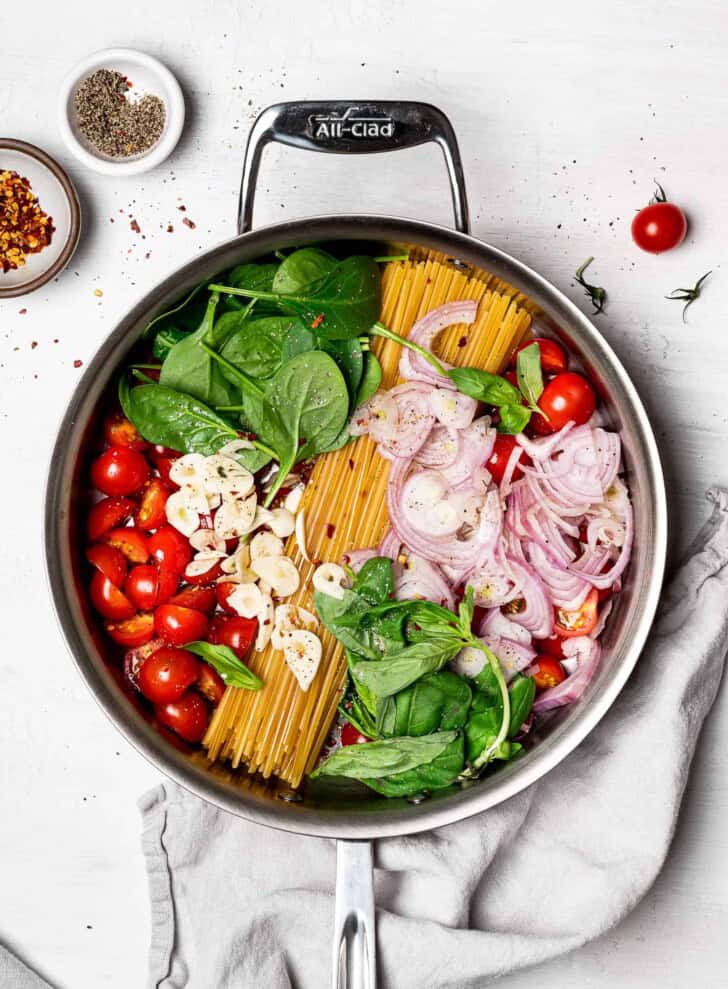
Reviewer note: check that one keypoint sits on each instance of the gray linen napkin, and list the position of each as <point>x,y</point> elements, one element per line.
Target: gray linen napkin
<point>238,905</point>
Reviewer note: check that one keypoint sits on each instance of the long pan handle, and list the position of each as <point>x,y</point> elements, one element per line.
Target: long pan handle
<point>352,127</point>
<point>355,950</point>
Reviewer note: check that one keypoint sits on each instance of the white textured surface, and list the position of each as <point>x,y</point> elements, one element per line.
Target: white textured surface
<point>564,112</point>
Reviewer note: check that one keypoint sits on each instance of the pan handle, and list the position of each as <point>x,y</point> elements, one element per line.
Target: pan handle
<point>352,127</point>
<point>355,950</point>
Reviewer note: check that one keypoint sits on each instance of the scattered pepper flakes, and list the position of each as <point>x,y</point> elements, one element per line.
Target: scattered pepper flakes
<point>188,223</point>
<point>183,208</point>
<point>462,342</point>
<point>33,344</point>
<point>22,311</point>
<point>24,227</point>
<point>77,363</point>
<point>318,321</point>
<point>98,293</point>
<point>330,530</point>
<point>135,226</point>
<point>170,228</point>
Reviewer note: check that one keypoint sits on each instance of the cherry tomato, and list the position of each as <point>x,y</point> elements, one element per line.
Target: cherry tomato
<point>210,684</point>
<point>659,227</point>
<point>170,547</point>
<point>178,625</point>
<point>167,673</point>
<point>106,514</point>
<point>142,586</point>
<point>547,671</point>
<point>118,431</point>
<point>554,646</point>
<point>163,459</point>
<point>132,632</point>
<point>200,598</point>
<point>131,542</point>
<point>188,716</point>
<point>137,655</point>
<point>119,471</point>
<point>498,460</point>
<point>168,582</point>
<point>150,514</point>
<point>553,357</point>
<point>223,590</point>
<point>108,561</point>
<point>579,622</point>
<point>108,599</point>
<point>352,736</point>
<point>206,578</point>
<point>566,397</point>
<point>235,632</point>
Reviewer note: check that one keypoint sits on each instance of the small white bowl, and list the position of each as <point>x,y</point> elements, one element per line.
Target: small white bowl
<point>148,76</point>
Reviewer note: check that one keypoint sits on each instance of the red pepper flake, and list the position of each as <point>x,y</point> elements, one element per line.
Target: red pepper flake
<point>22,311</point>
<point>318,321</point>
<point>77,363</point>
<point>56,340</point>
<point>33,344</point>
<point>188,223</point>
<point>182,207</point>
<point>112,220</point>
<point>135,226</point>
<point>462,342</point>
<point>351,463</point>
<point>170,229</point>
<point>330,530</point>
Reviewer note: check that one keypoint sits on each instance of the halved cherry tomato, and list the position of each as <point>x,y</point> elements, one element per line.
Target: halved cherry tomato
<point>131,542</point>
<point>150,514</point>
<point>163,459</point>
<point>200,598</point>
<point>170,547</point>
<point>118,431</point>
<point>235,632</point>
<point>167,673</point>
<point>547,672</point>
<point>554,646</point>
<point>188,716</point>
<point>553,357</point>
<point>108,599</point>
<point>136,656</point>
<point>178,625</point>
<point>109,561</point>
<point>132,632</point>
<point>567,397</point>
<point>168,582</point>
<point>106,514</point>
<point>580,622</point>
<point>142,586</point>
<point>210,684</point>
<point>223,590</point>
<point>659,227</point>
<point>119,471</point>
<point>498,460</point>
<point>352,736</point>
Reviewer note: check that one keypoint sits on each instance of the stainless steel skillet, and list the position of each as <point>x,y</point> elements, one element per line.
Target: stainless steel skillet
<point>355,127</point>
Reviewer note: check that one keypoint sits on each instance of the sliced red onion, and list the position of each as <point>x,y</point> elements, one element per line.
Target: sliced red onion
<point>452,408</point>
<point>390,545</point>
<point>537,615</point>
<point>493,583</point>
<point>414,367</point>
<point>542,448</point>
<point>510,469</point>
<point>513,656</point>
<point>586,652</point>
<point>426,506</point>
<point>402,432</point>
<point>477,442</point>
<point>602,620</point>
<point>440,449</point>
<point>592,565</point>
<point>494,622</point>
<point>420,578</point>
<point>356,558</point>
<point>566,589</point>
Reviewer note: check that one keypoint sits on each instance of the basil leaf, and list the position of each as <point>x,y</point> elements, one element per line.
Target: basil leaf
<point>486,387</point>
<point>181,422</point>
<point>375,582</point>
<point>513,419</point>
<point>523,693</point>
<point>334,614</point>
<point>483,725</point>
<point>529,373</point>
<point>357,714</point>
<point>436,702</point>
<point>370,381</point>
<point>232,670</point>
<point>395,672</point>
<point>436,774</point>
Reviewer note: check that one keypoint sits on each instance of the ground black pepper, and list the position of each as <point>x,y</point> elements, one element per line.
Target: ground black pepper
<point>112,123</point>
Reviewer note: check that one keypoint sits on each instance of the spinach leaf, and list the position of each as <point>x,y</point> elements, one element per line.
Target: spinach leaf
<point>349,358</point>
<point>232,670</point>
<point>371,379</point>
<point>375,582</point>
<point>298,341</point>
<point>396,671</point>
<point>258,277</point>
<point>174,419</point>
<point>437,702</point>
<point>399,767</point>
<point>306,265</point>
<point>165,340</point>
<point>254,345</point>
<point>188,367</point>
<point>523,693</point>
<point>184,316</point>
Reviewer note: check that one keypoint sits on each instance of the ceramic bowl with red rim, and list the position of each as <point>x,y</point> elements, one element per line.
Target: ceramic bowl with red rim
<point>57,198</point>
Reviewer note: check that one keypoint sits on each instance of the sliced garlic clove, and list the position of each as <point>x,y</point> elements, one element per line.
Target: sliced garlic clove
<point>184,519</point>
<point>265,618</point>
<point>247,600</point>
<point>278,571</point>
<point>187,469</point>
<point>238,565</point>
<point>235,446</point>
<point>195,499</point>
<point>225,476</point>
<point>290,618</point>
<point>301,534</point>
<point>303,655</point>
<point>235,518</point>
<point>279,520</point>
<point>330,579</point>
<point>292,501</point>
<point>265,544</point>
<point>205,541</point>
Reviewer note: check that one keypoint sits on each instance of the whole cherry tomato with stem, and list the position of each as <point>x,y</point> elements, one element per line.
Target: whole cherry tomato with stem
<point>567,397</point>
<point>660,226</point>
<point>167,673</point>
<point>188,717</point>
